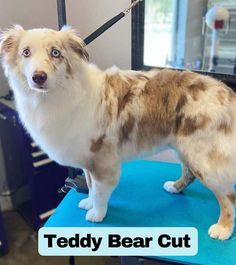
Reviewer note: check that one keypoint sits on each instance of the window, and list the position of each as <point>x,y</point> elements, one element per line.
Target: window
<point>174,34</point>
<point>158,27</point>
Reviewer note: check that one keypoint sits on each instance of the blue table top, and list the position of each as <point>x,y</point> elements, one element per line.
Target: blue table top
<point>141,201</point>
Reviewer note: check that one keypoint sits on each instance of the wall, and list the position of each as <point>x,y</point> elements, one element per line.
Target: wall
<point>114,46</point>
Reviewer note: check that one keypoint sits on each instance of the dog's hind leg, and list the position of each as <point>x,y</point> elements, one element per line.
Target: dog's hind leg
<point>225,225</point>
<point>177,186</point>
<point>87,203</point>
<point>223,188</point>
<point>219,180</point>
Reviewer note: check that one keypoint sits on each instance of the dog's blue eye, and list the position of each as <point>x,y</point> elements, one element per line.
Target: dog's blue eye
<point>55,53</point>
<point>26,52</point>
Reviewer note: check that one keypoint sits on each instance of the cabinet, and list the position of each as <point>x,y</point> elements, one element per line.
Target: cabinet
<point>3,241</point>
<point>32,178</point>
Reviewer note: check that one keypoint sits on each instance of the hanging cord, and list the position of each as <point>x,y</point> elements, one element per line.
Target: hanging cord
<point>110,23</point>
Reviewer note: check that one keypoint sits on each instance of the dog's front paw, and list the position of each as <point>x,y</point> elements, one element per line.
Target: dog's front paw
<point>218,231</point>
<point>169,187</point>
<point>95,215</point>
<point>86,204</point>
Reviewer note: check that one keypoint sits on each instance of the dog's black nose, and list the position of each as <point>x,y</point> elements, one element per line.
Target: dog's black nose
<point>39,77</point>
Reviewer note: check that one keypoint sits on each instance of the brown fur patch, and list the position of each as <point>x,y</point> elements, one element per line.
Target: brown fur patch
<point>164,96</point>
<point>179,184</point>
<point>8,44</point>
<point>172,78</point>
<point>190,125</point>
<point>107,97</point>
<point>178,123</point>
<point>181,102</point>
<point>96,145</point>
<point>197,85</point>
<point>126,129</point>
<point>123,101</point>
<point>184,181</point>
<point>123,89</point>
<point>196,173</point>
<point>195,88</point>
<point>159,105</point>
<point>140,76</point>
<point>108,104</point>
<point>165,99</point>
<point>9,48</point>
<point>224,127</point>
<point>232,197</point>
<point>79,49</point>
<point>100,170</point>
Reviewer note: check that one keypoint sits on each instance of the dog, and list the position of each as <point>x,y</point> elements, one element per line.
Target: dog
<point>84,117</point>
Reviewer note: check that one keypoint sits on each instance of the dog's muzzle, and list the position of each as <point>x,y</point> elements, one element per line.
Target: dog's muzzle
<point>39,78</point>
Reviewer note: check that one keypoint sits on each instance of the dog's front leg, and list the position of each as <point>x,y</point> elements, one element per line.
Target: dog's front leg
<point>104,182</point>
<point>87,203</point>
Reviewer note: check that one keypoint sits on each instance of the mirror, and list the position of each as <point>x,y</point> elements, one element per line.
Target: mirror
<point>191,34</point>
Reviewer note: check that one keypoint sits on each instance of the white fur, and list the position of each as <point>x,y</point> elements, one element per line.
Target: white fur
<point>169,186</point>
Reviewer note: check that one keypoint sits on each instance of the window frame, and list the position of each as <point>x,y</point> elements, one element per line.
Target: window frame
<point>137,63</point>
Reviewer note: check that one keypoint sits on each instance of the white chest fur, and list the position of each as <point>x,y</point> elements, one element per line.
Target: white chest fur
<point>62,124</point>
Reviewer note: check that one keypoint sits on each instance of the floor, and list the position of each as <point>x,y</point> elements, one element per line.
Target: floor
<point>22,241</point>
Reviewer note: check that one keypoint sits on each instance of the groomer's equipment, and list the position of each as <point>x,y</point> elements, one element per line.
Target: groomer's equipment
<point>110,23</point>
<point>61,10</point>
<point>76,182</point>
<point>217,18</point>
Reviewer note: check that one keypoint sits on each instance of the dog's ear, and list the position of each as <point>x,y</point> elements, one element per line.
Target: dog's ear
<point>75,43</point>
<point>8,38</point>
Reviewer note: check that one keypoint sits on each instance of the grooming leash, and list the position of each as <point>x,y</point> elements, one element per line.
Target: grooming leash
<point>77,181</point>
<point>110,23</point>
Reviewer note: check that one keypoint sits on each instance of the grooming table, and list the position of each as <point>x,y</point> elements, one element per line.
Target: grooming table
<point>141,201</point>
